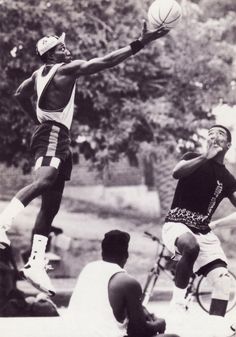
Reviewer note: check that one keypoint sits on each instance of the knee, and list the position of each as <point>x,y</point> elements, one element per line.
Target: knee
<point>221,283</point>
<point>192,250</point>
<point>189,247</point>
<point>43,184</point>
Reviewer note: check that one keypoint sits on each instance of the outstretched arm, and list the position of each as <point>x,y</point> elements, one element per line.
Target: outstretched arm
<point>227,221</point>
<point>79,67</point>
<point>23,95</point>
<point>186,167</point>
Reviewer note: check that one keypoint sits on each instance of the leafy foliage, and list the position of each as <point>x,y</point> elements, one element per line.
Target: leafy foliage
<point>161,95</point>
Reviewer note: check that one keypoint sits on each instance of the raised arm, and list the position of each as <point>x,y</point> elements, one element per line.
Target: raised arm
<point>79,67</point>
<point>24,94</point>
<point>186,167</point>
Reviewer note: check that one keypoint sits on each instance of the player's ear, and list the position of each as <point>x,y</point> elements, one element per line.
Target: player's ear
<point>228,145</point>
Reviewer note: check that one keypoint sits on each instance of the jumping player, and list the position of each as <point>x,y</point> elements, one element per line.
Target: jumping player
<point>54,83</point>
<point>203,181</point>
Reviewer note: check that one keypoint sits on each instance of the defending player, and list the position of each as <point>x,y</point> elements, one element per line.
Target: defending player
<point>203,182</point>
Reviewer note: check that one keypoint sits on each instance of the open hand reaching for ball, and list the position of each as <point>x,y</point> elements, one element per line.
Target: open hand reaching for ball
<point>151,35</point>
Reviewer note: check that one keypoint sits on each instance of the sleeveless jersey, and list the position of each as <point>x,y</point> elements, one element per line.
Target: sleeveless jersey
<point>65,114</point>
<point>89,305</point>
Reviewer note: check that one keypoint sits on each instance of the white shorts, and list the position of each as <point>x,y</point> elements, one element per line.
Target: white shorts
<point>210,246</point>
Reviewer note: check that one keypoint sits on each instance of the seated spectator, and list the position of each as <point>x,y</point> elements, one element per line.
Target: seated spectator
<point>8,275</point>
<point>106,301</point>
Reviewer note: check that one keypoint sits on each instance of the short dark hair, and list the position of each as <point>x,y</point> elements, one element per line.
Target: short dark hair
<point>115,244</point>
<point>229,136</point>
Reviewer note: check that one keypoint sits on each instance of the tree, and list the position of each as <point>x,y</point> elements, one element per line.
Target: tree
<point>161,95</point>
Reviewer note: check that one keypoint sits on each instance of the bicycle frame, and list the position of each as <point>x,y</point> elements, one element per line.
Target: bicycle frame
<point>161,258</point>
<point>161,261</point>
<point>195,288</point>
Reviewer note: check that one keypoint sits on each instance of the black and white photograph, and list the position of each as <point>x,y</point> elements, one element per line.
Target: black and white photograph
<point>118,168</point>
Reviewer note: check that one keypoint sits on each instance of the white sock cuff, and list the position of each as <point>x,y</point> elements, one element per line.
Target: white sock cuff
<point>38,248</point>
<point>178,293</point>
<point>16,202</point>
<point>12,210</point>
<point>178,290</point>
<point>40,239</point>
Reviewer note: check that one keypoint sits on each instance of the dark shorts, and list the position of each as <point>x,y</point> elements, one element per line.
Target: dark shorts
<point>50,141</point>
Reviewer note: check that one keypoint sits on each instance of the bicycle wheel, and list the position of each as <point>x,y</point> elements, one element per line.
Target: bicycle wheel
<point>203,293</point>
<point>148,288</point>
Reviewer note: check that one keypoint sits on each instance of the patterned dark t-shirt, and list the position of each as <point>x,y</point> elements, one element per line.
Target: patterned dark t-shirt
<point>198,195</point>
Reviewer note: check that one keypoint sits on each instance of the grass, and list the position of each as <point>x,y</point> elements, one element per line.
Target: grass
<point>128,213</point>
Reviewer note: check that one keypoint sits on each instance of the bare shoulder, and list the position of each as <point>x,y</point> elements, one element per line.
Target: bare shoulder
<point>71,67</point>
<point>26,88</point>
<point>126,282</point>
<point>34,76</point>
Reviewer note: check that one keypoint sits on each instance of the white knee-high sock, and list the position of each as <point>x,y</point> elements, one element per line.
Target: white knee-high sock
<point>38,248</point>
<point>178,295</point>
<point>10,212</point>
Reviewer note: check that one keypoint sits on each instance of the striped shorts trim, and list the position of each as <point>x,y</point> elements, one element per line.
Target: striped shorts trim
<point>50,146</point>
<point>53,141</point>
<point>47,161</point>
<point>50,140</point>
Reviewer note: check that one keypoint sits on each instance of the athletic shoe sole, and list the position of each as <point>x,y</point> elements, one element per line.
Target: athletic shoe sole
<point>36,285</point>
<point>4,245</point>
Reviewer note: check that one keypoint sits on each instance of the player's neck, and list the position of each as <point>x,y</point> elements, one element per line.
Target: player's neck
<point>50,64</point>
<point>219,158</point>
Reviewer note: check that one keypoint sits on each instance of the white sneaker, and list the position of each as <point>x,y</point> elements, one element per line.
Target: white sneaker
<point>36,274</point>
<point>220,327</point>
<point>233,329</point>
<point>176,317</point>
<point>179,307</point>
<point>4,240</point>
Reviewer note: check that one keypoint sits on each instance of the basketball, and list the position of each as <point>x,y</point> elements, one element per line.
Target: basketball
<point>166,13</point>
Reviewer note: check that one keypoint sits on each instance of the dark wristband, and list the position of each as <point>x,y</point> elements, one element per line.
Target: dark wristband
<point>136,46</point>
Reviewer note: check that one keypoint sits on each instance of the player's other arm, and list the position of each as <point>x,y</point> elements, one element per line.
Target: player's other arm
<point>24,94</point>
<point>186,167</point>
<point>78,67</point>
<point>229,220</point>
<point>140,324</point>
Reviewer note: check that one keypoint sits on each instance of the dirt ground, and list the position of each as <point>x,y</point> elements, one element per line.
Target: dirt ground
<point>86,226</point>
<point>86,231</point>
